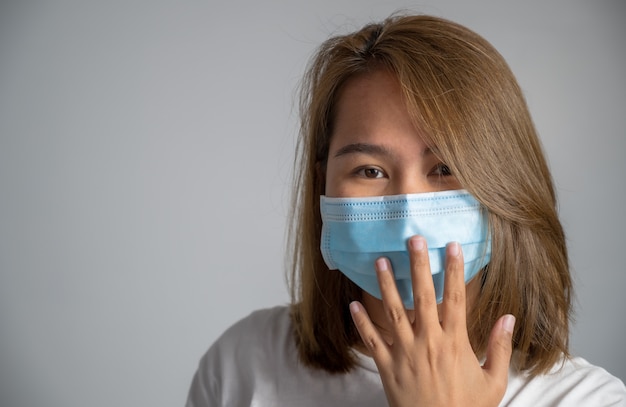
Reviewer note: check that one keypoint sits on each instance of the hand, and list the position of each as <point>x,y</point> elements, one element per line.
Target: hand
<point>431,362</point>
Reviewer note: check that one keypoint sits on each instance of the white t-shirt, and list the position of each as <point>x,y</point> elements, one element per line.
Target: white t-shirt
<point>255,363</point>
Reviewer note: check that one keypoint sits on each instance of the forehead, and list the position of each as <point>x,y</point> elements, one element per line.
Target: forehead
<point>371,104</point>
<point>367,98</point>
<point>378,79</point>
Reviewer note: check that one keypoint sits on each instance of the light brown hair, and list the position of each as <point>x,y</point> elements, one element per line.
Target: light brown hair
<point>462,94</point>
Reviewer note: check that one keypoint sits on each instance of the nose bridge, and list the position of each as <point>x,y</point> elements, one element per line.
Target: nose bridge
<point>411,182</point>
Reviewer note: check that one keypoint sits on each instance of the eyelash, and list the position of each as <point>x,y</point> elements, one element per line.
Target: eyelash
<point>363,172</point>
<point>439,170</point>
<point>443,169</point>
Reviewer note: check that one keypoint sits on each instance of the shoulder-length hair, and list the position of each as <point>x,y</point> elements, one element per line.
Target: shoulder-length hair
<point>462,94</point>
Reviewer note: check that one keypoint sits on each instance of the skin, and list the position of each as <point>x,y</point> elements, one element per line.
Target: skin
<point>423,355</point>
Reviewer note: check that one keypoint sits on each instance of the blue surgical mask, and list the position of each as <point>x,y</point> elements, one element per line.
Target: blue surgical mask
<point>357,231</point>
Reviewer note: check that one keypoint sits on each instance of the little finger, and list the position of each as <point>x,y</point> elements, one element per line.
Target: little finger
<point>370,336</point>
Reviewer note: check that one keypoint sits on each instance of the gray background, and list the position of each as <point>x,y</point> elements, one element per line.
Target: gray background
<point>145,161</point>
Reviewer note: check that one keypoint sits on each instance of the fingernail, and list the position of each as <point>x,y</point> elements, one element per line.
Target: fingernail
<point>382,264</point>
<point>508,323</point>
<point>354,307</point>
<point>454,249</point>
<point>417,243</point>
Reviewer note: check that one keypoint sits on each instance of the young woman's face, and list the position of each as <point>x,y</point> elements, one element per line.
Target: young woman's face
<point>375,149</point>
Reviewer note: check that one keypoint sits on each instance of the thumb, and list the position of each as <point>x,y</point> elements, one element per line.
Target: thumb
<point>500,347</point>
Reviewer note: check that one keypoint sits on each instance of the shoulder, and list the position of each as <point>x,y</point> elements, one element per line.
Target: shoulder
<point>265,331</point>
<point>572,382</point>
<point>262,324</point>
<point>251,348</point>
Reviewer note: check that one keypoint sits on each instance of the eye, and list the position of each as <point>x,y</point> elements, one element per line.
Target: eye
<point>441,169</point>
<point>371,172</point>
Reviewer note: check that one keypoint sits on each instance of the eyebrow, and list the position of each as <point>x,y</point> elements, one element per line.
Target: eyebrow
<point>364,148</point>
<point>371,149</point>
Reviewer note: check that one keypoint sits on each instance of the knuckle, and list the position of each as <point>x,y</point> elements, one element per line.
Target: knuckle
<point>454,296</point>
<point>371,343</point>
<point>396,314</point>
<point>424,300</point>
<point>504,345</point>
<point>367,334</point>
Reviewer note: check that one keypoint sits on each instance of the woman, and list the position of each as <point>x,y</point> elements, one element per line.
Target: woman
<point>424,227</point>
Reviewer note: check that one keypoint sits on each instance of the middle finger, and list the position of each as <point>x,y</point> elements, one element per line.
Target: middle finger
<point>424,298</point>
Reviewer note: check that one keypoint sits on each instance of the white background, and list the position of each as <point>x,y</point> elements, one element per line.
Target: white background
<point>145,162</point>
